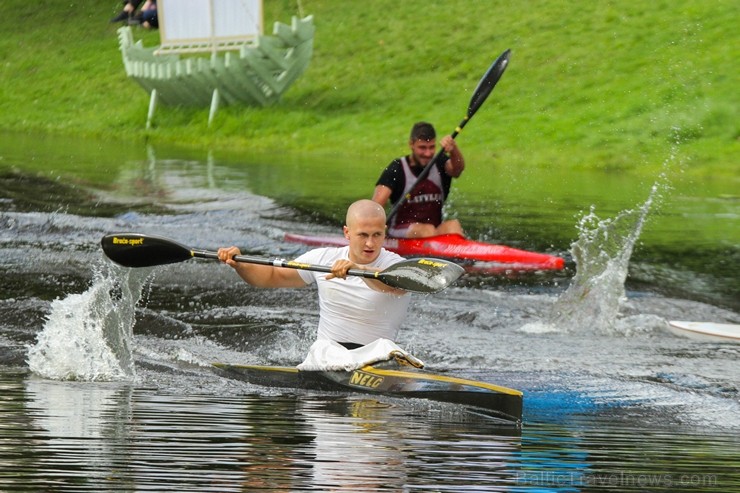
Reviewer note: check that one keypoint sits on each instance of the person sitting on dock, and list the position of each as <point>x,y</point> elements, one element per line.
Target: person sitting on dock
<point>146,17</point>
<point>353,311</point>
<point>421,214</point>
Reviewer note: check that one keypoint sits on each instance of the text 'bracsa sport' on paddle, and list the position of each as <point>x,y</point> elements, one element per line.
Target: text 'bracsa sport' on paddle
<point>482,90</point>
<point>422,275</point>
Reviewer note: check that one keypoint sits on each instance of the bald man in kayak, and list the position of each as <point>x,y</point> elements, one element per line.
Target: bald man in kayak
<point>421,215</point>
<point>353,311</point>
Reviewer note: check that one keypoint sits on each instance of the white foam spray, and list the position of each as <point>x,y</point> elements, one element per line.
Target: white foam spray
<point>89,336</point>
<point>602,253</point>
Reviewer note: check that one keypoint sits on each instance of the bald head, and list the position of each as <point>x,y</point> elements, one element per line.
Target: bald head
<point>365,230</point>
<point>363,210</point>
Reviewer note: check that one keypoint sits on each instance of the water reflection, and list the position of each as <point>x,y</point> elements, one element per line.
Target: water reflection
<point>352,448</point>
<point>98,436</point>
<point>68,436</point>
<point>366,445</point>
<point>70,432</point>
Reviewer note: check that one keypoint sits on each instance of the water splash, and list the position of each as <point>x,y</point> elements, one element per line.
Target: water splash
<point>601,253</point>
<point>89,336</point>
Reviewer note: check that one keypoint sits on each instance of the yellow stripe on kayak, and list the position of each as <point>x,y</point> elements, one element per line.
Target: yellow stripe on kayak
<point>440,378</point>
<point>388,373</point>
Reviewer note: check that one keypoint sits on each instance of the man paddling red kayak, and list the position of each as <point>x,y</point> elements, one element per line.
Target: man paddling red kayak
<point>423,217</point>
<point>410,241</point>
<point>420,215</point>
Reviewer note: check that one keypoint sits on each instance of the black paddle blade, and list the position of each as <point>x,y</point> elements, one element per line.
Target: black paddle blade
<point>487,82</point>
<point>423,275</point>
<point>139,250</point>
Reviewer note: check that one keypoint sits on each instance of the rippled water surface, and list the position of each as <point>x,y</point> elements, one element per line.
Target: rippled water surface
<point>106,378</point>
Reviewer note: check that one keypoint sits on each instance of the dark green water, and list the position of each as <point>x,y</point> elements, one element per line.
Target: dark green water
<point>690,244</point>
<point>627,406</point>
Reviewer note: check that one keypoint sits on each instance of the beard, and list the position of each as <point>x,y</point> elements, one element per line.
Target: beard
<point>420,161</point>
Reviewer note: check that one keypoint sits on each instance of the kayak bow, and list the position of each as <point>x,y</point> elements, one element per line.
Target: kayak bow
<point>499,402</point>
<point>452,247</point>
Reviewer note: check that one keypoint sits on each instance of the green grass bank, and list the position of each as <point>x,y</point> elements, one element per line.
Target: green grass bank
<point>618,86</point>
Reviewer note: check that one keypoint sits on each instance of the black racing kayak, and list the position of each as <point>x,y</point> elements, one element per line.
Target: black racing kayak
<point>496,401</point>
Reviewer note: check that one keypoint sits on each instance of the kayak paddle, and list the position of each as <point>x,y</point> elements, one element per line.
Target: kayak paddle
<point>423,275</point>
<point>484,88</point>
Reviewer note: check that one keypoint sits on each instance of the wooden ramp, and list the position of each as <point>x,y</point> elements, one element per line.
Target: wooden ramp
<point>257,74</point>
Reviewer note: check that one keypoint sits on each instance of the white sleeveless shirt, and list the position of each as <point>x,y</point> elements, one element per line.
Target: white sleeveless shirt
<point>349,310</point>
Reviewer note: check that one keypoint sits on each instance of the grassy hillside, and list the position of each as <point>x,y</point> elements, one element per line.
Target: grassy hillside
<point>613,85</point>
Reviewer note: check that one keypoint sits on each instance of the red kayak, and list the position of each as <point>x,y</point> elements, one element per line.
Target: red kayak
<point>450,246</point>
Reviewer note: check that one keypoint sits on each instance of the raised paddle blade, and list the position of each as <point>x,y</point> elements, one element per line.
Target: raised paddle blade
<point>140,250</point>
<point>488,82</point>
<point>482,90</point>
<point>423,275</point>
